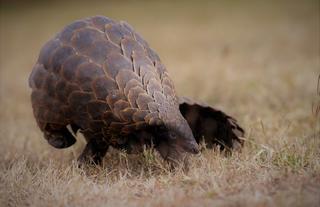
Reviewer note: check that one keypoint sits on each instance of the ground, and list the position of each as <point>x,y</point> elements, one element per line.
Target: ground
<point>256,60</point>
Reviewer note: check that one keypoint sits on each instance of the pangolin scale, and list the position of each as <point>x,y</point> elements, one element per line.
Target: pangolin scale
<point>101,77</point>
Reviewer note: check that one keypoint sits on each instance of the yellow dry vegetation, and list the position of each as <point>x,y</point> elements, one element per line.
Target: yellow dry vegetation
<point>259,61</point>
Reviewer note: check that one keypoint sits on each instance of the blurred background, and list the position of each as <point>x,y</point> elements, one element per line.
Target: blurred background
<point>258,60</point>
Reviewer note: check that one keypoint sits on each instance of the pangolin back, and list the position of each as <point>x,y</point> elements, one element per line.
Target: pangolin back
<point>101,76</point>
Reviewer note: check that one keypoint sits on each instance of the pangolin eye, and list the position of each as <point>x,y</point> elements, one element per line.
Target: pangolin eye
<point>173,135</point>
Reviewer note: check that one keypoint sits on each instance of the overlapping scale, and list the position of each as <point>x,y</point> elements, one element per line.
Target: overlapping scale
<point>101,76</point>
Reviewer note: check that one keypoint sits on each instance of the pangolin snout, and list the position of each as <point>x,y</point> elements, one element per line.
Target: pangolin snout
<point>191,147</point>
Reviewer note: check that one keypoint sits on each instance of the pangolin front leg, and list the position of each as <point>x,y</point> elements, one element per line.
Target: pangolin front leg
<point>94,152</point>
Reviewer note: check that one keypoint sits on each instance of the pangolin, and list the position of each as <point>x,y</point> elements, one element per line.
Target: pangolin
<point>101,78</point>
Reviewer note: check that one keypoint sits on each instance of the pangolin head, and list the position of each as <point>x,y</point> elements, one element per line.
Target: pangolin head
<point>175,137</point>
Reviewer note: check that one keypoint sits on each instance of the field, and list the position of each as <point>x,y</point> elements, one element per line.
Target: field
<point>257,61</point>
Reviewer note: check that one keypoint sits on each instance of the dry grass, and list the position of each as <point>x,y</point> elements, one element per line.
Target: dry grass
<point>257,61</point>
